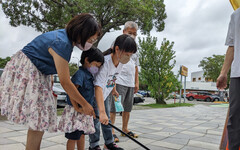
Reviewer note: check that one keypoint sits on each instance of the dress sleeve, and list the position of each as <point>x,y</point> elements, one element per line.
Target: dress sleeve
<point>62,48</point>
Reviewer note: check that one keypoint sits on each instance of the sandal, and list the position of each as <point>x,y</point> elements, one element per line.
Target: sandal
<point>116,139</point>
<point>130,133</point>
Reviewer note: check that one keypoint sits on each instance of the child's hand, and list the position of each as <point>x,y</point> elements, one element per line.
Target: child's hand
<point>80,110</point>
<point>103,118</point>
<point>88,110</point>
<point>115,93</point>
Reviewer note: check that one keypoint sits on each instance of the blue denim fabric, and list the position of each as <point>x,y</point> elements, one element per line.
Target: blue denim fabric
<point>106,129</point>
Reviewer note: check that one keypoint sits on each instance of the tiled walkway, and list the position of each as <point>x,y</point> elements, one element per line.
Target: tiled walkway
<point>182,128</point>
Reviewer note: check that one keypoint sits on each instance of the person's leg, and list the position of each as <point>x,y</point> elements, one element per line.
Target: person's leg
<point>34,139</point>
<point>125,119</point>
<point>73,139</point>
<point>107,129</point>
<point>71,144</point>
<point>95,137</point>
<point>127,105</point>
<point>81,143</point>
<point>234,115</point>
<point>112,110</point>
<point>112,118</point>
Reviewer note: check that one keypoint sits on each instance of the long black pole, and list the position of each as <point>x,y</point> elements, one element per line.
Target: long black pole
<point>127,135</point>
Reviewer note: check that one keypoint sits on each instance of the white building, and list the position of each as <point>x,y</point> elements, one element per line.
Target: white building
<point>198,77</point>
<point>200,83</point>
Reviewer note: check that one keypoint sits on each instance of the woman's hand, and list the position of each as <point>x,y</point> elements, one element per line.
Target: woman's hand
<point>103,118</point>
<point>88,110</point>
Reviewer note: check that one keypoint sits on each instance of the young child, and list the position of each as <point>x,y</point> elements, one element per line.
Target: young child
<point>72,122</point>
<point>26,93</point>
<point>104,82</point>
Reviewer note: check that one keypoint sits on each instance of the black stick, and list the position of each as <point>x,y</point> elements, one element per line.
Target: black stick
<point>127,135</point>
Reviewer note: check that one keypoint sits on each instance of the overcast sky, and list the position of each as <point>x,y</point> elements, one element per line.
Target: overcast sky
<point>198,29</point>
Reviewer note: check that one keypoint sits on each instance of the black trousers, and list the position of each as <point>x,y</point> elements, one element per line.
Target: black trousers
<point>234,114</point>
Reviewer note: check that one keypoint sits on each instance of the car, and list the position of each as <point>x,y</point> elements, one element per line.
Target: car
<point>138,98</point>
<point>144,93</point>
<point>202,95</point>
<point>59,91</point>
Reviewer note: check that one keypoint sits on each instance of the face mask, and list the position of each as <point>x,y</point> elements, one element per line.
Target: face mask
<point>93,69</point>
<point>124,59</point>
<point>132,36</point>
<point>85,48</point>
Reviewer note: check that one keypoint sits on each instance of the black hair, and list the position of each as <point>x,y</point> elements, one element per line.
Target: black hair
<point>93,54</point>
<point>82,27</point>
<point>125,43</point>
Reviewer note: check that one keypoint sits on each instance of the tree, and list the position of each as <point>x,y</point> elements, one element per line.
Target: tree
<point>156,67</point>
<point>72,68</point>
<point>212,67</point>
<point>47,15</point>
<point>3,61</point>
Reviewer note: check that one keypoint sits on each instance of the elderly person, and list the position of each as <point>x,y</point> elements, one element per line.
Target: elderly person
<point>126,85</point>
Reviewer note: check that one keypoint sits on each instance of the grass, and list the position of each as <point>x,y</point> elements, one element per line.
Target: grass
<point>59,111</point>
<point>168,105</point>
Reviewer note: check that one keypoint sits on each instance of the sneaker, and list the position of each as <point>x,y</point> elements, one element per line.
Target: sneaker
<point>95,148</point>
<point>113,146</point>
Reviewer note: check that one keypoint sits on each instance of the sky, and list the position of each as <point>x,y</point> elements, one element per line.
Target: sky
<point>198,29</point>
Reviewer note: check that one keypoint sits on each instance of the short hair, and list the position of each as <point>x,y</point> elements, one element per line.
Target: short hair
<point>82,27</point>
<point>130,24</point>
<point>125,43</point>
<point>93,54</point>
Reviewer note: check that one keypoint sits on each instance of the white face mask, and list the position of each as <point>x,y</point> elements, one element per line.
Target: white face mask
<point>86,47</point>
<point>132,36</point>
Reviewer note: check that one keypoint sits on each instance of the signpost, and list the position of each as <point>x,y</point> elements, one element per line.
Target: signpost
<point>183,72</point>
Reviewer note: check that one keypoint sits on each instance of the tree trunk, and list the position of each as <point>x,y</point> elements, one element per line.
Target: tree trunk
<point>160,101</point>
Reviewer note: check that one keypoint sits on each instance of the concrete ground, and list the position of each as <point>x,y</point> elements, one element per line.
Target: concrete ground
<point>182,128</point>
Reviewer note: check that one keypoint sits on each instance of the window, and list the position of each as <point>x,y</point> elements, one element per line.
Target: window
<point>199,79</point>
<point>194,79</point>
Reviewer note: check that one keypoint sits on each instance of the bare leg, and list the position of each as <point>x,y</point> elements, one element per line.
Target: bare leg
<point>34,139</point>
<point>112,118</point>
<point>125,119</point>
<point>71,144</point>
<point>81,142</point>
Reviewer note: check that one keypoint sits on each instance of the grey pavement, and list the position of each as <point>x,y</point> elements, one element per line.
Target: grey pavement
<point>181,128</point>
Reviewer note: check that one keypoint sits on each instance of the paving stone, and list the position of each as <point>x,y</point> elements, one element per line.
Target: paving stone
<point>167,145</point>
<point>192,148</point>
<point>205,145</point>
<point>17,146</point>
<point>10,134</point>
<point>55,147</point>
<point>4,141</point>
<point>20,139</point>
<point>176,140</point>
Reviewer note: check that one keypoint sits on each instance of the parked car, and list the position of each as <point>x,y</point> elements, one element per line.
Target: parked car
<point>144,93</point>
<point>201,95</point>
<point>59,91</point>
<point>138,98</point>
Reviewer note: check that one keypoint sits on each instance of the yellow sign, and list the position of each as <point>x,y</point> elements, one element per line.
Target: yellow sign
<point>184,71</point>
<point>235,4</point>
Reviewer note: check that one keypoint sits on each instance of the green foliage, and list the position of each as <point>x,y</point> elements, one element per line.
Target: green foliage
<point>72,68</point>
<point>3,61</point>
<point>212,66</point>
<point>47,15</point>
<point>156,68</point>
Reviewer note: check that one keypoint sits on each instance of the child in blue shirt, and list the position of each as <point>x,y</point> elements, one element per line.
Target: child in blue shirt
<point>72,122</point>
